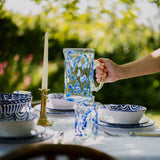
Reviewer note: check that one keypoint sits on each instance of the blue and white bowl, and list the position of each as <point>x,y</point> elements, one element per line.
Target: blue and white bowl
<point>57,101</point>
<point>126,113</point>
<point>18,128</point>
<point>11,102</point>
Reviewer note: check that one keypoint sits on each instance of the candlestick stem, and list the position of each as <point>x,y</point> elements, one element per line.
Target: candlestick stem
<point>43,121</point>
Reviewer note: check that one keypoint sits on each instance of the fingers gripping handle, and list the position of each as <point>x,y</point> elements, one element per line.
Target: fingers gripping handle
<point>94,88</point>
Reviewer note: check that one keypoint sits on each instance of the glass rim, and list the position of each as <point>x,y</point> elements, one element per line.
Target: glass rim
<point>80,49</point>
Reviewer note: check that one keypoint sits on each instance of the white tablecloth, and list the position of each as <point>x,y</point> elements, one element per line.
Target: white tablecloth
<point>122,148</point>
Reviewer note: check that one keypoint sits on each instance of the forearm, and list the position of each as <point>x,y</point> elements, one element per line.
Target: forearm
<point>149,64</point>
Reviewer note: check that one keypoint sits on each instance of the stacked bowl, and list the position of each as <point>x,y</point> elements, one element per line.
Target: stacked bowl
<point>15,114</point>
<point>14,107</point>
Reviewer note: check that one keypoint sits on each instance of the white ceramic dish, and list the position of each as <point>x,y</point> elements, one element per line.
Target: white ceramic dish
<point>60,110</point>
<point>109,120</point>
<point>53,112</point>
<point>49,112</point>
<point>42,134</point>
<point>18,128</point>
<point>140,126</point>
<point>125,113</point>
<point>57,101</point>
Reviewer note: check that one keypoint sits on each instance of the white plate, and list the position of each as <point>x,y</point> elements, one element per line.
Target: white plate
<point>109,120</point>
<point>60,110</point>
<point>148,124</point>
<point>49,112</point>
<point>41,136</point>
<point>34,132</point>
<point>53,112</point>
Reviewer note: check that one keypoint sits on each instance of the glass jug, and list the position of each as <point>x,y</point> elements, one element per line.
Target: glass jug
<point>79,74</point>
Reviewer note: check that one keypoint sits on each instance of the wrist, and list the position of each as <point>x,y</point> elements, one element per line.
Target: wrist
<point>121,72</point>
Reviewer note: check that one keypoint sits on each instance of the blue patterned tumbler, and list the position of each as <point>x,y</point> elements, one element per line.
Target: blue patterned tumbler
<point>86,119</point>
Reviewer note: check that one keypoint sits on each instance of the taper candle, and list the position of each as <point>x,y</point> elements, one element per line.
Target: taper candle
<point>45,63</point>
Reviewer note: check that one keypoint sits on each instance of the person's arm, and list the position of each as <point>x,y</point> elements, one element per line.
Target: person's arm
<point>148,64</point>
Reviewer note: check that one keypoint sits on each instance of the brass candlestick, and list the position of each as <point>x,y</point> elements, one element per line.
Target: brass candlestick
<point>43,121</point>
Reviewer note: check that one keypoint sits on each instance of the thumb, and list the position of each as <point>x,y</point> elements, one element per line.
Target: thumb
<point>101,60</point>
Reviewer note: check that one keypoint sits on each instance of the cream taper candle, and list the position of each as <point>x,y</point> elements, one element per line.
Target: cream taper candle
<point>45,63</point>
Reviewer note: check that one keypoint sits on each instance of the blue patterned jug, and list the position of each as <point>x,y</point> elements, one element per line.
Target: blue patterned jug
<point>79,74</point>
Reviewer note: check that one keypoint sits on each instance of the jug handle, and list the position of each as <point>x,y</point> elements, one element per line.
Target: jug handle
<point>94,88</point>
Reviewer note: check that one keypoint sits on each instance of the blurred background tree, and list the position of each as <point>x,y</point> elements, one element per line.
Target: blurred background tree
<point>110,27</point>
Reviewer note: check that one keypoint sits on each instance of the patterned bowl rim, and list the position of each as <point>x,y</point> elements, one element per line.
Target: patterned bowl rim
<point>34,116</point>
<point>29,98</point>
<point>142,108</point>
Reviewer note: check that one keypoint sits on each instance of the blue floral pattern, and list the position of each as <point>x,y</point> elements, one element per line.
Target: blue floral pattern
<point>86,120</point>
<point>79,71</point>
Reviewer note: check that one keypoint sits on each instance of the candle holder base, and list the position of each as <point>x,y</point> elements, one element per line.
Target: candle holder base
<point>43,121</point>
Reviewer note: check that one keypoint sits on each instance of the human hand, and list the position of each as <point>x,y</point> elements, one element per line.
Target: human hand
<point>106,71</point>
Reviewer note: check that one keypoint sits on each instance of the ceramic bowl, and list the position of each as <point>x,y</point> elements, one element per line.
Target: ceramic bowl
<point>12,102</point>
<point>126,113</point>
<point>57,101</point>
<point>24,92</point>
<point>18,128</point>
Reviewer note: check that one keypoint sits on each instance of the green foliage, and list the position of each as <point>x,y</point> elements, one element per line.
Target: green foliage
<point>157,2</point>
<point>111,31</point>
